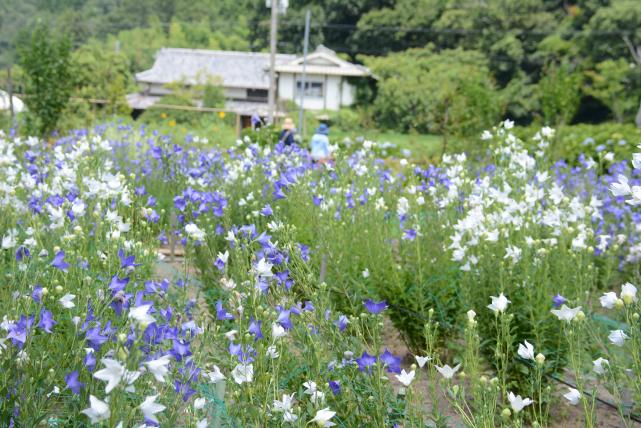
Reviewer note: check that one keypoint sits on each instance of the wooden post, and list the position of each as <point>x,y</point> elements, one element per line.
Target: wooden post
<point>301,118</point>
<point>323,269</point>
<point>238,125</point>
<point>10,92</point>
<point>173,220</point>
<point>220,405</point>
<point>272,60</point>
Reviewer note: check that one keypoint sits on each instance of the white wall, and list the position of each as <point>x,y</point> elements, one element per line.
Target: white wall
<point>156,89</point>
<point>333,93</point>
<point>337,92</point>
<point>286,86</point>
<point>348,94</point>
<point>236,93</point>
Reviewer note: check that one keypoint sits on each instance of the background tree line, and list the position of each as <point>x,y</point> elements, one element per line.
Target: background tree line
<point>443,66</point>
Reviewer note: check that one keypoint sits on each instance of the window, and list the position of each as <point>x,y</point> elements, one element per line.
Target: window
<point>257,94</point>
<point>312,89</point>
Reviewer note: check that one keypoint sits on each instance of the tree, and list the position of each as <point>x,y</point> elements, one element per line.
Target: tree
<point>45,60</point>
<point>611,83</point>
<point>213,95</point>
<point>635,50</point>
<point>521,98</point>
<point>620,22</point>
<point>397,27</point>
<point>448,93</point>
<point>333,23</point>
<point>560,94</point>
<point>102,73</point>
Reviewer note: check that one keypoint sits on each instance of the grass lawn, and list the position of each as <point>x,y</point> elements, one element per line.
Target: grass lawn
<point>422,146</point>
<point>222,133</point>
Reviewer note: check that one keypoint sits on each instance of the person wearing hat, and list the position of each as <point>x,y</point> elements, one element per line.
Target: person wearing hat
<point>287,134</point>
<point>320,144</point>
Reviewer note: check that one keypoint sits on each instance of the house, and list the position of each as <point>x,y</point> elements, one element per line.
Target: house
<point>244,77</point>
<point>328,80</point>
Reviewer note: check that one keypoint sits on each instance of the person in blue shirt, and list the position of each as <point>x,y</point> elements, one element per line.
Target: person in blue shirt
<point>320,144</point>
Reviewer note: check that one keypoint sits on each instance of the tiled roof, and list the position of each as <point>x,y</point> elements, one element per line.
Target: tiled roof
<point>324,61</point>
<point>237,69</point>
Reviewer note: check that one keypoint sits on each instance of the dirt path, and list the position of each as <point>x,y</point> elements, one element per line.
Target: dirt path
<point>563,415</point>
<point>173,268</point>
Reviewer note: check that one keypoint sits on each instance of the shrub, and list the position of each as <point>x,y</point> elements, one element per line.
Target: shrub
<point>612,82</point>
<point>450,92</point>
<point>213,95</point>
<point>569,142</point>
<point>560,94</point>
<point>45,60</point>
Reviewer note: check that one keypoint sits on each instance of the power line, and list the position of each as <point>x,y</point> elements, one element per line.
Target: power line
<point>458,31</point>
<point>111,26</point>
<point>390,29</point>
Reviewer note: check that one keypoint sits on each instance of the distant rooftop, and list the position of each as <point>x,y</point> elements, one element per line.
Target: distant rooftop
<point>323,61</point>
<point>193,66</point>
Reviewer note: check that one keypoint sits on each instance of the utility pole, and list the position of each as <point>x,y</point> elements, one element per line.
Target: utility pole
<point>10,92</point>
<point>272,61</point>
<point>301,123</point>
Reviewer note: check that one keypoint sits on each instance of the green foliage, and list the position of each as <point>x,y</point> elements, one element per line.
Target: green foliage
<point>5,120</point>
<point>571,141</point>
<point>521,98</point>
<point>554,48</point>
<point>333,23</point>
<point>213,96</point>
<point>45,59</point>
<point>559,92</point>
<point>139,44</point>
<point>345,119</point>
<point>264,136</point>
<point>210,94</point>
<point>174,117</point>
<point>606,27</point>
<point>515,39</point>
<point>102,74</point>
<point>141,26</point>
<point>611,83</point>
<point>449,92</point>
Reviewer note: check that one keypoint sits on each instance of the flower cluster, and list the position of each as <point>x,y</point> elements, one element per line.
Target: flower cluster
<point>292,271</point>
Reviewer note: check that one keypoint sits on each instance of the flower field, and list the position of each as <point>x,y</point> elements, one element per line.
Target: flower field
<point>511,279</point>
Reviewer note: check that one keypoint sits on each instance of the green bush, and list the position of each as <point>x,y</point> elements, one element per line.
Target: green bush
<point>450,92</point>
<point>264,136</point>
<point>560,94</point>
<point>571,141</point>
<point>46,61</point>
<point>5,120</point>
<point>346,119</point>
<point>213,96</point>
<point>182,117</point>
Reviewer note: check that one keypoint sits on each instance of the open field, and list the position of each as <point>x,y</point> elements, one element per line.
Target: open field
<point>485,292</point>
